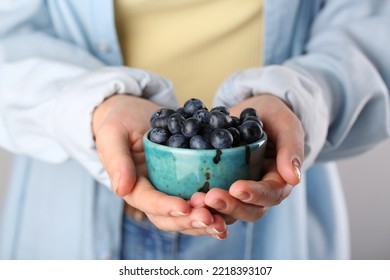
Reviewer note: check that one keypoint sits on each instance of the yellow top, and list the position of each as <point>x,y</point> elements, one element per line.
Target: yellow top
<point>194,43</point>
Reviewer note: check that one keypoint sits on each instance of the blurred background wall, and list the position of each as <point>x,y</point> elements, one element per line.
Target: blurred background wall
<point>366,181</point>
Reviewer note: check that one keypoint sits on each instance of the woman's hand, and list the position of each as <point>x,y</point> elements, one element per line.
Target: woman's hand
<point>119,124</point>
<point>250,200</point>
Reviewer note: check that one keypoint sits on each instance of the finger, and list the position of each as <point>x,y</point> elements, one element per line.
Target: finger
<point>223,202</point>
<point>197,200</point>
<point>113,148</point>
<point>264,193</point>
<point>197,221</point>
<point>270,191</point>
<point>218,229</point>
<point>153,202</point>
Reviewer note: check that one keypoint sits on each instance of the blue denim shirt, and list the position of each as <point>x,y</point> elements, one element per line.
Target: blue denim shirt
<point>60,59</point>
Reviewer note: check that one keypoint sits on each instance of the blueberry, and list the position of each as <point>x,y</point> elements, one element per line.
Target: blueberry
<point>206,130</point>
<point>192,105</point>
<point>229,121</point>
<point>221,138</point>
<point>256,119</point>
<point>250,131</point>
<point>199,142</point>
<point>248,112</point>
<point>191,127</point>
<point>175,123</point>
<point>160,118</point>
<point>251,118</point>
<point>203,115</point>
<point>178,141</point>
<point>180,110</point>
<point>236,136</point>
<point>159,135</point>
<point>235,121</point>
<point>222,109</point>
<point>219,120</point>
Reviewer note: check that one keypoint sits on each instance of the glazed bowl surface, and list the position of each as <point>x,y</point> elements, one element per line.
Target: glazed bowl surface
<point>182,172</point>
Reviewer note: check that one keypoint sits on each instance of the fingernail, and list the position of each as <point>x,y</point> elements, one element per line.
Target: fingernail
<point>217,237</point>
<point>198,224</point>
<point>175,213</point>
<point>218,204</point>
<point>297,168</point>
<point>116,180</point>
<point>243,196</point>
<point>213,231</point>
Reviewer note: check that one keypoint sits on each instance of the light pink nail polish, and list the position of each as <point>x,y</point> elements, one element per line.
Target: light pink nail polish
<point>297,168</point>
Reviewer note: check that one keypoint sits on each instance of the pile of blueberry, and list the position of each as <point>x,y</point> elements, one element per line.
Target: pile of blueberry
<point>193,126</point>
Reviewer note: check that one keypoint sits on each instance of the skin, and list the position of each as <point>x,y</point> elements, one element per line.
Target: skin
<point>119,124</point>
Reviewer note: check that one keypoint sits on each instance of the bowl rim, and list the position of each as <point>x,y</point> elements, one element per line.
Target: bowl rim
<point>164,148</point>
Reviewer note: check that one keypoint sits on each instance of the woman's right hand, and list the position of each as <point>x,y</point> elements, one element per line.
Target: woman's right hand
<point>119,124</point>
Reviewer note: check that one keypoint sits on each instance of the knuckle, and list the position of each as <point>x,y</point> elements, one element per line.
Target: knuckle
<point>280,198</point>
<point>282,194</point>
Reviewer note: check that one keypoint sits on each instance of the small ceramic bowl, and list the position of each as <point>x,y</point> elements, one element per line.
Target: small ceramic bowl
<point>182,172</point>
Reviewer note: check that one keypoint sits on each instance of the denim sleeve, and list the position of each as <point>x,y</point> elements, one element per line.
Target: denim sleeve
<point>50,87</point>
<point>347,56</point>
<point>338,86</point>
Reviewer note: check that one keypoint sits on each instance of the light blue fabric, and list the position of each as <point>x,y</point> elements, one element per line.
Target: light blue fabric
<point>60,59</point>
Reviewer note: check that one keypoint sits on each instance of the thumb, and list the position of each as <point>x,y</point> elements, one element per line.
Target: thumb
<point>288,137</point>
<point>112,144</point>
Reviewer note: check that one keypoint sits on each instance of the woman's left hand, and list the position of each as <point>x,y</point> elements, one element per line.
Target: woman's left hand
<point>250,200</point>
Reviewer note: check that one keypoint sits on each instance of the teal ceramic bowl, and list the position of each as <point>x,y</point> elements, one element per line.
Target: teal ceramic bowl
<point>182,172</point>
